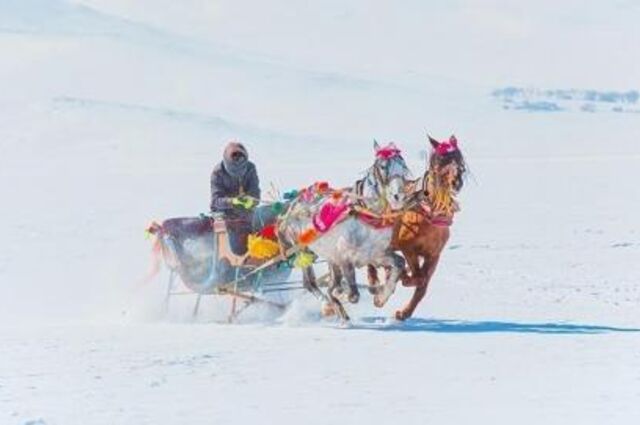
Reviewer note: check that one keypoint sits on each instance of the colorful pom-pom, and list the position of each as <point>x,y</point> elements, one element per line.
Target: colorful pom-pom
<point>307,236</point>
<point>269,232</point>
<point>261,248</point>
<point>277,208</point>
<point>291,195</point>
<point>322,187</point>
<point>304,260</point>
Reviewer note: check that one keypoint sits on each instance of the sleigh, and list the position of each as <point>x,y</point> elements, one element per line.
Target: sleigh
<point>197,253</point>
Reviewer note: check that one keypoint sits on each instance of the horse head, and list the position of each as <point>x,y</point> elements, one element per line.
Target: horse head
<point>387,178</point>
<point>445,175</point>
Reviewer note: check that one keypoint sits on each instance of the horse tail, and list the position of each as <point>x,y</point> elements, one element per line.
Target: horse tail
<point>154,232</point>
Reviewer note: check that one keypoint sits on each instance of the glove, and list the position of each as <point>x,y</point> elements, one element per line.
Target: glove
<point>244,202</point>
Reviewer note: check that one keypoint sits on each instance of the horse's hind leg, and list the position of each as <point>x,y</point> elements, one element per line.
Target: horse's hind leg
<point>335,285</point>
<point>372,278</point>
<point>335,289</point>
<point>349,272</point>
<point>334,306</point>
<point>339,308</point>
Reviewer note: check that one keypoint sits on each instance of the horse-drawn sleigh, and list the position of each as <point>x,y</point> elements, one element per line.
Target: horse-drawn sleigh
<point>384,215</point>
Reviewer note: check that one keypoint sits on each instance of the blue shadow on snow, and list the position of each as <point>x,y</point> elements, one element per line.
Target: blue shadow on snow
<point>464,326</point>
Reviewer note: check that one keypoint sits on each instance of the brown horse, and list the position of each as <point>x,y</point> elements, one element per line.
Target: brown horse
<point>422,232</point>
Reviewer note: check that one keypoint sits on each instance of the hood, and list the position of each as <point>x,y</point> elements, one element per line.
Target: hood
<point>235,168</point>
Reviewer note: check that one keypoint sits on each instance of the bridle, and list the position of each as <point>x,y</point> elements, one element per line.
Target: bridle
<point>380,178</point>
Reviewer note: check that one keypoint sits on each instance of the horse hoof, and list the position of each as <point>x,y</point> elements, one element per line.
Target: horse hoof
<point>354,298</point>
<point>411,282</point>
<point>402,315</point>
<point>378,301</point>
<point>327,310</point>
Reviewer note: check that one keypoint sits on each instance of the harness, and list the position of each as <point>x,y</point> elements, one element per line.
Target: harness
<point>413,218</point>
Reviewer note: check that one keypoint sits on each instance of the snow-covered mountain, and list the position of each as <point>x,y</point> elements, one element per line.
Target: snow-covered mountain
<point>113,112</point>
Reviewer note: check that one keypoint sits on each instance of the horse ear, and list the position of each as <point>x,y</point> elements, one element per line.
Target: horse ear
<point>433,141</point>
<point>453,141</point>
<point>376,146</point>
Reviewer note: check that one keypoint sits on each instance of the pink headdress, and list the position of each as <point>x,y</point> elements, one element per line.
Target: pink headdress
<point>445,147</point>
<point>388,152</point>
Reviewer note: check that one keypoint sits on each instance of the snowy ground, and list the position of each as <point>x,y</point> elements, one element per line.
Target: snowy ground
<point>112,113</point>
<point>428,371</point>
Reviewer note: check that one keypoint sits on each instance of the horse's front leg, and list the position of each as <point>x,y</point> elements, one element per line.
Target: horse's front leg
<point>395,266</point>
<point>349,273</point>
<point>428,268</point>
<point>413,264</point>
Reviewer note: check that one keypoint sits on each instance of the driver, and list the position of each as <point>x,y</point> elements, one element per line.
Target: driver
<point>235,192</point>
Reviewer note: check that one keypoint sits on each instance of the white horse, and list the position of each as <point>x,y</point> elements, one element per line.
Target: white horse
<point>363,236</point>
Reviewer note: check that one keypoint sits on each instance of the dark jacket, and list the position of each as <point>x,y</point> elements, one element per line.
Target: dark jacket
<point>224,187</point>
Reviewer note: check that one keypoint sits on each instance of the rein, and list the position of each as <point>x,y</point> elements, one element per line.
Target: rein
<point>386,219</point>
<point>379,221</point>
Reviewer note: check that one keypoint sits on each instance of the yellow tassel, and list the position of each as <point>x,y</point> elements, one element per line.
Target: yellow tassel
<point>410,227</point>
<point>441,197</point>
<point>261,248</point>
<point>304,260</point>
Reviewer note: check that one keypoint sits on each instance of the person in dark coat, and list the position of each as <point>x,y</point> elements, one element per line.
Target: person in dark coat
<point>235,192</point>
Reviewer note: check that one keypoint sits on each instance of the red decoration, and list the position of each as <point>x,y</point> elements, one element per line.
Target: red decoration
<point>388,152</point>
<point>322,187</point>
<point>448,146</point>
<point>269,232</point>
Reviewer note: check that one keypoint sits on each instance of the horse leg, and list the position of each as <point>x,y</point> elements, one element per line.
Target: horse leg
<point>349,272</point>
<point>372,278</point>
<point>428,268</point>
<point>395,265</point>
<point>337,307</point>
<point>413,263</point>
<point>331,305</point>
<point>335,285</point>
<point>335,289</point>
<point>310,284</point>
